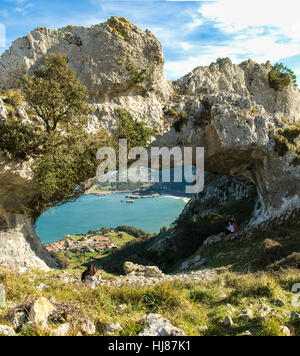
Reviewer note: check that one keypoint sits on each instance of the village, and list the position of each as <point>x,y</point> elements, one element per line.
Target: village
<point>85,243</point>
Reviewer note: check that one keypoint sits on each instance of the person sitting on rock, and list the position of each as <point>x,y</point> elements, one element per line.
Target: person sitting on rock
<point>229,228</point>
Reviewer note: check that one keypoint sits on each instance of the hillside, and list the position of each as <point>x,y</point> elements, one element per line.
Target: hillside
<point>232,300</point>
<point>245,116</point>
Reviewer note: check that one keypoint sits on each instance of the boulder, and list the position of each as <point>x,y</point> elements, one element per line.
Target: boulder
<point>228,321</point>
<point>145,271</point>
<point>156,325</point>
<point>87,327</point>
<point>246,333</point>
<point>285,331</point>
<point>62,330</point>
<point>112,329</point>
<point>246,314</point>
<point>39,312</point>
<point>196,262</point>
<point>294,315</point>
<point>279,302</point>
<point>214,239</point>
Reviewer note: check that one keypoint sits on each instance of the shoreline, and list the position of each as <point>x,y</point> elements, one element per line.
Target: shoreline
<point>111,192</point>
<point>135,194</point>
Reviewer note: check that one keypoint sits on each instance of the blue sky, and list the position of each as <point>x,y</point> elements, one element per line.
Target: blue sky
<point>192,33</point>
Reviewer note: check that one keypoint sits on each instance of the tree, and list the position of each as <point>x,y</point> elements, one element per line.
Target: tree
<point>64,151</point>
<point>56,95</point>
<point>281,76</point>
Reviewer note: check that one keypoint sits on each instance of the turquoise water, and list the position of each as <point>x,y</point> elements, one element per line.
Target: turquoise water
<point>91,212</point>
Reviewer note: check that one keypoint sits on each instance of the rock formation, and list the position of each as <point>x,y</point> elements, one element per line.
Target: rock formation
<point>229,109</point>
<point>235,114</point>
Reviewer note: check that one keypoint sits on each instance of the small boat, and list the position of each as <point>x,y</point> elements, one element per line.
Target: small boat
<point>122,201</point>
<point>129,201</point>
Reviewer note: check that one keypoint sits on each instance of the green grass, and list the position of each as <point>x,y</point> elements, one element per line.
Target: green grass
<point>240,284</point>
<point>189,306</point>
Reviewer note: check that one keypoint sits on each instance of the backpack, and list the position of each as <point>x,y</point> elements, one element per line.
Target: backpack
<point>235,227</point>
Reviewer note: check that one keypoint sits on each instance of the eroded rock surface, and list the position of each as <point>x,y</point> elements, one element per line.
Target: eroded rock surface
<point>230,110</point>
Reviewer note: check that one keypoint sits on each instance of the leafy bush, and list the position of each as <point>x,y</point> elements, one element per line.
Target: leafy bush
<point>136,133</point>
<point>287,140</point>
<point>19,140</point>
<point>13,98</point>
<point>281,77</point>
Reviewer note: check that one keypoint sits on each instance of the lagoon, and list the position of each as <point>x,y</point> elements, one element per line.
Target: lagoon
<point>91,212</point>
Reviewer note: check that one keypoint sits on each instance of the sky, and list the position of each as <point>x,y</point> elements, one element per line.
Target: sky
<point>192,33</point>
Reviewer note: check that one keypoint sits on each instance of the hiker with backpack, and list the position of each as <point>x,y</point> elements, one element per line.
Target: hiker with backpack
<point>231,227</point>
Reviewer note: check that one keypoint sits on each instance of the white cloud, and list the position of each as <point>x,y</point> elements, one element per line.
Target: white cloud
<point>237,15</point>
<point>259,49</point>
<point>246,22</point>
<point>196,22</point>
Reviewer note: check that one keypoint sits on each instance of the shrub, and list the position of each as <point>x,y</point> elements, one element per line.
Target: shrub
<point>19,140</point>
<point>281,77</point>
<point>287,140</point>
<point>137,134</point>
<point>13,98</point>
<point>269,252</point>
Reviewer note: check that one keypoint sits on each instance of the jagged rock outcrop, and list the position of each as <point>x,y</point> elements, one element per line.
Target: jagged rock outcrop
<point>234,113</point>
<point>120,65</point>
<point>231,110</point>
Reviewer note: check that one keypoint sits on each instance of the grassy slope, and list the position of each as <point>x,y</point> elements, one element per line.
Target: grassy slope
<point>188,306</point>
<point>241,284</point>
<point>243,255</point>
